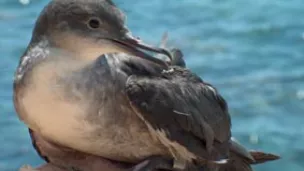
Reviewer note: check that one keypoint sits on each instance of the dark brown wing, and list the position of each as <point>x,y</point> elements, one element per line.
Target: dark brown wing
<point>190,112</point>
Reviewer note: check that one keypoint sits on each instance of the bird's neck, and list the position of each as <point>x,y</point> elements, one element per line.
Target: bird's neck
<point>41,50</point>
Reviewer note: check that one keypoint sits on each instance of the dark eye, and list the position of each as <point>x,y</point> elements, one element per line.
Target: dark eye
<point>94,23</point>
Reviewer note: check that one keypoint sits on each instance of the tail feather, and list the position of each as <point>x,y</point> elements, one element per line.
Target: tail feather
<point>261,157</point>
<point>241,159</point>
<point>241,163</point>
<point>239,149</point>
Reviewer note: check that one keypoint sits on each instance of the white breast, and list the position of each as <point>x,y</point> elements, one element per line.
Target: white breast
<point>48,112</point>
<point>56,118</point>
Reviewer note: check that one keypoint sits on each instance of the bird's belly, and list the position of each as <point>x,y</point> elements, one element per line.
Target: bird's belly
<point>66,123</point>
<point>125,145</point>
<point>53,118</point>
<point>48,109</point>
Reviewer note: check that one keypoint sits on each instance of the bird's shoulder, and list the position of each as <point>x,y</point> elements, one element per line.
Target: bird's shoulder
<point>138,66</point>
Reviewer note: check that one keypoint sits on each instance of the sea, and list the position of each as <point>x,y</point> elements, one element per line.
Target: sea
<point>252,51</point>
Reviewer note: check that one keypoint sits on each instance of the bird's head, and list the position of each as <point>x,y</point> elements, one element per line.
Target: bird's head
<point>89,28</point>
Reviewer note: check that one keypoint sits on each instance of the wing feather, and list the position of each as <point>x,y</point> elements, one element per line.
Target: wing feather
<point>191,113</point>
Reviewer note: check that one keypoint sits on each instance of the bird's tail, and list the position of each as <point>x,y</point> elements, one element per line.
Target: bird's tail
<point>240,163</point>
<point>261,157</point>
<point>242,159</point>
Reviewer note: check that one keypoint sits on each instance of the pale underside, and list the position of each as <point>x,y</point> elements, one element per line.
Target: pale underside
<point>63,121</point>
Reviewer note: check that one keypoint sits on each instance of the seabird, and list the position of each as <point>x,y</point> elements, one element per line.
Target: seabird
<point>85,83</point>
<point>240,159</point>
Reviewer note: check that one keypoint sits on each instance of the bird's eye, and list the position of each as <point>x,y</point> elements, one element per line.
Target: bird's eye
<point>94,23</point>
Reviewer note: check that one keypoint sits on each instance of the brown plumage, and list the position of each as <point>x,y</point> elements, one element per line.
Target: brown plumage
<point>239,158</point>
<point>77,86</point>
<point>85,84</point>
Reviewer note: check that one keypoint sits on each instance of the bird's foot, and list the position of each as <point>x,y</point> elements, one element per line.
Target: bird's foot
<point>153,163</point>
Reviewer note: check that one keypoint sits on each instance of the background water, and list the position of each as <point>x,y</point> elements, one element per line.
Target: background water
<point>252,51</point>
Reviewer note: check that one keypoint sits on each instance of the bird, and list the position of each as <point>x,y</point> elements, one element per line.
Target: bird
<point>240,159</point>
<point>84,82</point>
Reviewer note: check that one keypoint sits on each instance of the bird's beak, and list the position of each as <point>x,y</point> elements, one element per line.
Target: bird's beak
<point>136,47</point>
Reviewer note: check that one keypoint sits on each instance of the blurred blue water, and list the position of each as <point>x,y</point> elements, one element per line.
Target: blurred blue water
<point>252,51</point>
